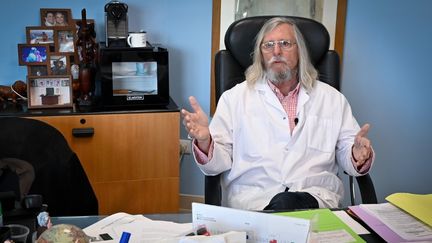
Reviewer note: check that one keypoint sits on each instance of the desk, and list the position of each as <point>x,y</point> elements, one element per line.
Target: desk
<point>120,151</point>
<point>84,221</point>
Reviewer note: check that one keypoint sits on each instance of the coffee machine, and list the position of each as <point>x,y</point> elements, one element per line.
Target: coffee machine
<point>116,24</point>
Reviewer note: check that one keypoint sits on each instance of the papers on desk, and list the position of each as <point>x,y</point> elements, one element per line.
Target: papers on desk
<point>259,227</point>
<point>348,220</point>
<point>392,223</point>
<point>141,228</point>
<point>417,205</point>
<point>327,226</point>
<point>145,230</point>
<point>229,225</point>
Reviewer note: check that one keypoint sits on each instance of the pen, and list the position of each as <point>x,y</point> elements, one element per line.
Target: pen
<point>125,237</point>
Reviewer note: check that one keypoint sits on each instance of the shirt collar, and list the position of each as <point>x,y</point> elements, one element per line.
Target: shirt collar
<point>279,94</point>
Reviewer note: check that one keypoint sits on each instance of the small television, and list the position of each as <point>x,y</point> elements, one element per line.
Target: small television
<point>134,76</point>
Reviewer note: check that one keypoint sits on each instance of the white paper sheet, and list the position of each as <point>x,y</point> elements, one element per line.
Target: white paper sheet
<point>141,228</point>
<point>355,226</point>
<point>259,227</point>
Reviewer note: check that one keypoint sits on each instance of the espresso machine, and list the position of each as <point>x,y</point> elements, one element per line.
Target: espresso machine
<point>116,24</point>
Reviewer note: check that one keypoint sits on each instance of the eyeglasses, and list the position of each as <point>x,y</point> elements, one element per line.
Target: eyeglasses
<point>283,44</point>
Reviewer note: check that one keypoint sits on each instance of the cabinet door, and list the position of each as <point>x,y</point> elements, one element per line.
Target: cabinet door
<point>132,160</point>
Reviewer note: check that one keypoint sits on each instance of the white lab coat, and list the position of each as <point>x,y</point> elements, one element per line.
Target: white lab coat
<point>260,157</point>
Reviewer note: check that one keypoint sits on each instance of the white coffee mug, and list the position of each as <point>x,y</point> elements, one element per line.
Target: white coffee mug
<point>137,39</point>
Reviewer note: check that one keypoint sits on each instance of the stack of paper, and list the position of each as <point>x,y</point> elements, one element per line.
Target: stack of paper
<point>144,230</point>
<point>141,228</point>
<point>259,227</point>
<point>326,226</point>
<point>394,224</point>
<point>318,225</point>
<point>419,206</point>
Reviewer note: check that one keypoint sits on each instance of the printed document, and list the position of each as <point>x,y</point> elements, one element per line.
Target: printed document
<point>418,205</point>
<point>402,223</point>
<point>259,227</point>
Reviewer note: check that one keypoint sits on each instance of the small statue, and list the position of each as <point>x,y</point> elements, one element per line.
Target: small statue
<point>86,42</point>
<point>44,222</point>
<point>87,50</point>
<point>13,92</point>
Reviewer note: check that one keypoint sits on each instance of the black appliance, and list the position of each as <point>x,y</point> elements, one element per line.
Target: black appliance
<point>116,23</point>
<point>133,77</point>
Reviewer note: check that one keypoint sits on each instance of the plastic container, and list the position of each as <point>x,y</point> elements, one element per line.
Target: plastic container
<point>18,233</point>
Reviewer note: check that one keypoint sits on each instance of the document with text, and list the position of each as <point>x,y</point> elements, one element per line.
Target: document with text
<point>259,227</point>
<point>402,223</point>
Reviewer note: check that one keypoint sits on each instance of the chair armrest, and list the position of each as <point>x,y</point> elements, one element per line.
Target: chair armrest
<point>367,189</point>
<point>213,191</point>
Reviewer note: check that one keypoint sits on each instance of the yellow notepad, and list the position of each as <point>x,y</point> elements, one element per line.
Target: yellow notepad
<point>418,205</point>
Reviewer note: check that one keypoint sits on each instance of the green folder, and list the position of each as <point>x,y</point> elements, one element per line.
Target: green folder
<point>323,220</point>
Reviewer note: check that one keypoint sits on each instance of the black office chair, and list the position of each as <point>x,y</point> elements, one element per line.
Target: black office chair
<point>230,65</point>
<point>59,176</point>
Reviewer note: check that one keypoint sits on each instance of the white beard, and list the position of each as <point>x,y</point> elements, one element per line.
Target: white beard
<point>279,77</point>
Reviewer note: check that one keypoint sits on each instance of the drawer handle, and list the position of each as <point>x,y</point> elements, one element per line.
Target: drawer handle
<point>83,132</point>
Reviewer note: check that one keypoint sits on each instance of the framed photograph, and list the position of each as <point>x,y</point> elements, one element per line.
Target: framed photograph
<point>37,70</point>
<point>33,54</point>
<point>65,39</point>
<point>59,64</point>
<point>56,17</point>
<point>40,35</point>
<point>49,91</point>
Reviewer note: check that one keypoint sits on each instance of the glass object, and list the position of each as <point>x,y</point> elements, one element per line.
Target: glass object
<point>18,232</point>
<point>283,44</point>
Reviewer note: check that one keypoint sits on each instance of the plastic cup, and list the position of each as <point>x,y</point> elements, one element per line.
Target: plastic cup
<point>18,232</point>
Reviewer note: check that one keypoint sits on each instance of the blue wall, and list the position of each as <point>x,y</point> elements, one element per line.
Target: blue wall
<point>184,27</point>
<point>385,77</point>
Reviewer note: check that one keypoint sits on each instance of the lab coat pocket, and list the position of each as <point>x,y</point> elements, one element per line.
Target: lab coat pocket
<point>320,134</point>
<point>254,137</point>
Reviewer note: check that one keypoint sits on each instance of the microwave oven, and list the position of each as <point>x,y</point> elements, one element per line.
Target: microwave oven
<point>134,76</point>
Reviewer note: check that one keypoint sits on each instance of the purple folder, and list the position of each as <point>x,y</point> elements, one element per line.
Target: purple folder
<point>376,225</point>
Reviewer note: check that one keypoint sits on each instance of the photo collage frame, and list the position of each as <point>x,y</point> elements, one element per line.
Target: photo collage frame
<point>51,57</point>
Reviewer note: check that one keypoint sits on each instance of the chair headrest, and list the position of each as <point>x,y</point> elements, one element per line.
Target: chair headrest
<point>240,37</point>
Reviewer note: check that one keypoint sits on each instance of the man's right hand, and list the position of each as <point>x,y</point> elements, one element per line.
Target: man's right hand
<point>197,125</point>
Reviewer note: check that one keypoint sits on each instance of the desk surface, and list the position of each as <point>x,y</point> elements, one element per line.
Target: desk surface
<point>84,221</point>
<point>21,109</point>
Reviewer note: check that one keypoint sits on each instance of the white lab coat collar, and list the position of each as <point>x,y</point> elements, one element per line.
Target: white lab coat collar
<point>264,89</point>
<point>268,95</point>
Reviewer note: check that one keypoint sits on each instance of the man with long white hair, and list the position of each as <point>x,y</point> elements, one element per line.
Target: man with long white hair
<point>280,136</point>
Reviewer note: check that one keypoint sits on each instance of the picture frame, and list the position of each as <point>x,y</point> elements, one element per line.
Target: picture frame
<point>33,54</point>
<point>59,64</point>
<point>56,17</point>
<point>49,91</point>
<point>40,35</point>
<point>37,70</point>
<point>64,39</point>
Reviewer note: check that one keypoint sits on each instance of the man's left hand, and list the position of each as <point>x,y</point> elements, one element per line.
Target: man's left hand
<point>361,150</point>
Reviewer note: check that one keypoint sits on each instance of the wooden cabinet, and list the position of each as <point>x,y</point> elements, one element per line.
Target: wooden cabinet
<point>131,159</point>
